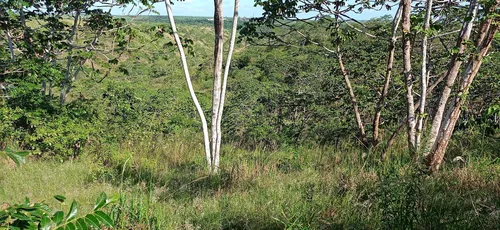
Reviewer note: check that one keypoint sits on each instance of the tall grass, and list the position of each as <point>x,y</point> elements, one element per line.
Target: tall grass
<point>164,184</point>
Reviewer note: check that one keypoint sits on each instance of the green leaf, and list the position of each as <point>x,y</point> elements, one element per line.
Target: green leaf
<point>80,224</point>
<point>20,217</point>
<point>100,202</point>
<point>92,221</point>
<point>58,217</point>
<point>45,223</point>
<point>70,226</point>
<point>60,198</point>
<point>17,157</point>
<point>73,210</point>
<point>104,218</point>
<point>21,153</point>
<point>113,199</point>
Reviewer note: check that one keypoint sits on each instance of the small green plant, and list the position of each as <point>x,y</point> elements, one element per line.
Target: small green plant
<point>28,215</point>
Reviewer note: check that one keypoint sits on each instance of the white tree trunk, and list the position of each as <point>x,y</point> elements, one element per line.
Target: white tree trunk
<point>218,59</point>
<point>67,79</point>
<point>410,107</point>
<point>451,75</point>
<point>485,38</point>
<point>11,46</point>
<point>224,82</point>
<point>190,85</point>
<point>423,75</point>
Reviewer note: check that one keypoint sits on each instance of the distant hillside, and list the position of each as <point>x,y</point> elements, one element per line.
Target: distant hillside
<point>191,20</point>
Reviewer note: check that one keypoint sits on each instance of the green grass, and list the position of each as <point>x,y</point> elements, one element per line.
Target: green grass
<point>164,185</point>
<point>41,180</point>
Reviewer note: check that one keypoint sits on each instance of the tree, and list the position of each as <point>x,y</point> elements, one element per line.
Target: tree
<point>37,33</point>
<point>212,145</point>
<point>444,123</point>
<point>285,14</point>
<point>50,45</point>
<point>406,25</point>
<point>385,90</point>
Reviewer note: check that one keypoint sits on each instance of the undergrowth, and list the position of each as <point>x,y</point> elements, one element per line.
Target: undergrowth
<point>163,184</point>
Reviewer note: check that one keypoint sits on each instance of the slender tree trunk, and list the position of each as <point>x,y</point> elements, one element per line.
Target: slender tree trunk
<point>347,81</point>
<point>388,73</point>
<point>48,58</point>
<point>406,24</point>
<point>224,82</point>
<point>44,88</point>
<point>486,35</point>
<point>354,101</point>
<point>11,46</point>
<point>391,140</point>
<point>26,35</point>
<point>190,85</point>
<point>218,59</point>
<point>451,74</point>
<point>82,62</point>
<point>50,89</point>
<point>67,79</point>
<point>423,76</point>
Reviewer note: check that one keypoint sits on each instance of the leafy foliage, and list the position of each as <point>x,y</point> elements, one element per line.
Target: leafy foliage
<point>28,215</point>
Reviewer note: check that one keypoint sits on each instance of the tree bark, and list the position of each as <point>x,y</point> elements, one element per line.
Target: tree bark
<point>218,59</point>
<point>391,140</point>
<point>388,73</point>
<point>354,101</point>
<point>67,79</point>
<point>190,85</point>
<point>423,76</point>
<point>451,74</point>
<point>26,36</point>
<point>11,46</point>
<point>82,62</point>
<point>224,82</point>
<point>485,38</point>
<point>410,107</point>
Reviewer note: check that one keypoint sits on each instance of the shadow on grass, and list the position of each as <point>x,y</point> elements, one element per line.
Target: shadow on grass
<point>184,181</point>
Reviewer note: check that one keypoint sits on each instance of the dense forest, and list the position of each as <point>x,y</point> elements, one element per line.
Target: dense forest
<point>286,121</point>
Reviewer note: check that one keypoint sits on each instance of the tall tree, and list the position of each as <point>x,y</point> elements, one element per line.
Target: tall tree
<point>388,73</point>
<point>213,140</point>
<point>224,83</point>
<point>336,13</point>
<point>217,88</point>
<point>423,75</point>
<point>444,123</point>
<point>51,39</point>
<point>408,76</point>
<point>451,74</point>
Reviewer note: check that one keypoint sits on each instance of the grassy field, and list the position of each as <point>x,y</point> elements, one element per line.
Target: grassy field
<point>163,184</point>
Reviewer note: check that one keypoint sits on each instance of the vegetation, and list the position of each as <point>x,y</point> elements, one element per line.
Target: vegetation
<point>39,216</point>
<point>294,155</point>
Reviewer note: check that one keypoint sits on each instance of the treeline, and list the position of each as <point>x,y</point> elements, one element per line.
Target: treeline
<point>126,83</point>
<point>181,20</point>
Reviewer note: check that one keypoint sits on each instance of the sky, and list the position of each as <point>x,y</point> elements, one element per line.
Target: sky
<point>205,8</point>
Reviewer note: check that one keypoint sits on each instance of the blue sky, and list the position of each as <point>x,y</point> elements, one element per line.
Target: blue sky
<point>247,9</point>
